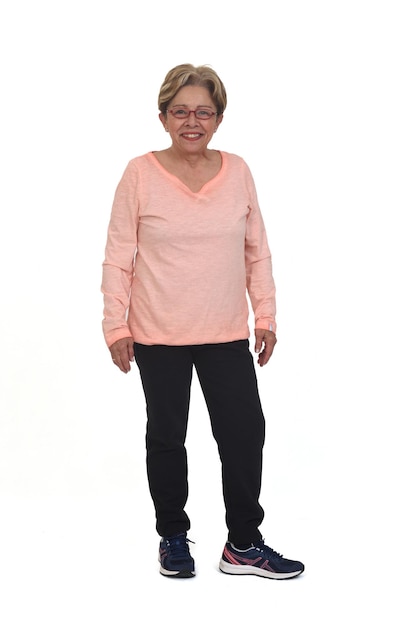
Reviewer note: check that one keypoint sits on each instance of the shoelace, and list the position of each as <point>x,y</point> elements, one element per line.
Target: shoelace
<point>267,550</point>
<point>179,547</point>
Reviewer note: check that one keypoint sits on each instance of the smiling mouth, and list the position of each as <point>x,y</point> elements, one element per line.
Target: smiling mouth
<point>192,135</point>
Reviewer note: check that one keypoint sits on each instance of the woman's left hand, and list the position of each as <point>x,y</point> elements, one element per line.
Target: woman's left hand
<point>265,341</point>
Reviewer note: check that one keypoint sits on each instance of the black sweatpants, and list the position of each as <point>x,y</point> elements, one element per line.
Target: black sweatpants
<point>228,380</point>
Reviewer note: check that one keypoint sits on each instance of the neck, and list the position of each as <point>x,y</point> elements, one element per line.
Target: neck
<point>192,160</point>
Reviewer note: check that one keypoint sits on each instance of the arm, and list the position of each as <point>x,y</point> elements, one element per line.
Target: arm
<point>118,267</point>
<point>259,281</point>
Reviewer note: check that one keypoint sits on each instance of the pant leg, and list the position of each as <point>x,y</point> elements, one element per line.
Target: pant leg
<point>166,373</point>
<point>228,380</point>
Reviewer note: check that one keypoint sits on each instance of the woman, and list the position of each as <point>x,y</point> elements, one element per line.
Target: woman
<point>186,242</point>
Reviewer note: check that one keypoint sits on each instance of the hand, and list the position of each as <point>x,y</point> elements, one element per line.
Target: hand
<point>265,341</point>
<point>122,353</point>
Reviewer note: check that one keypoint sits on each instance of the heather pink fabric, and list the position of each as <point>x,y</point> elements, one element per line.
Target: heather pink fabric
<point>179,265</point>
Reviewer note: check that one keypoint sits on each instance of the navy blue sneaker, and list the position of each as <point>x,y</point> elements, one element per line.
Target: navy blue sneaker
<point>259,560</point>
<point>175,557</point>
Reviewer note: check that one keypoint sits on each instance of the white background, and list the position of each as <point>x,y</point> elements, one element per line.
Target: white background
<point>322,102</point>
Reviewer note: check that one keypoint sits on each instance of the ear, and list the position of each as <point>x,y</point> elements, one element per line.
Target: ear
<point>219,120</point>
<point>163,119</point>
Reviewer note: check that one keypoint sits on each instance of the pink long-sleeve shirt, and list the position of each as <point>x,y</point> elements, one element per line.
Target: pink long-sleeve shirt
<point>179,264</point>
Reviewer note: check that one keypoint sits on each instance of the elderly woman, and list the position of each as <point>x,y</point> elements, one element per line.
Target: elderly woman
<point>186,243</point>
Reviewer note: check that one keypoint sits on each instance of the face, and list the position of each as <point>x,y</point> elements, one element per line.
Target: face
<point>191,135</point>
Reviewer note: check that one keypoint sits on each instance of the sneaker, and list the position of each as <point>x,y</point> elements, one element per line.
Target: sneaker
<point>175,557</point>
<point>259,560</point>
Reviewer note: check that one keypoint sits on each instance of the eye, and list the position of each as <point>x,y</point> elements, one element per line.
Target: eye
<point>204,114</point>
<point>180,112</point>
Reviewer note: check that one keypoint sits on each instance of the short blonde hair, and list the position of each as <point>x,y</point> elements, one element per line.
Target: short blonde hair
<point>187,74</point>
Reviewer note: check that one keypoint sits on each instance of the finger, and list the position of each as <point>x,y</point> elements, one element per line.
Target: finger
<point>261,359</point>
<point>265,356</point>
<point>118,363</point>
<point>259,339</point>
<point>131,351</point>
<point>122,359</point>
<point>270,341</point>
<point>122,353</point>
<point>125,364</point>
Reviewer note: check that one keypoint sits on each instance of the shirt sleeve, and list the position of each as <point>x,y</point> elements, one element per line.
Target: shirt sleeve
<point>259,278</point>
<point>120,252</point>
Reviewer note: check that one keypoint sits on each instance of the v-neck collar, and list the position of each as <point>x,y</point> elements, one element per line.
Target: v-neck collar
<point>181,184</point>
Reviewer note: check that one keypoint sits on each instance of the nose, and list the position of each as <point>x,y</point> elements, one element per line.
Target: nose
<point>194,120</point>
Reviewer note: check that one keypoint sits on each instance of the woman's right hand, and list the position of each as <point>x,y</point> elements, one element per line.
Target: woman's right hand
<point>122,353</point>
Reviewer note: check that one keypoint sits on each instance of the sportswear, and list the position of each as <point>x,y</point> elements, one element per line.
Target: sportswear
<point>260,560</point>
<point>179,264</point>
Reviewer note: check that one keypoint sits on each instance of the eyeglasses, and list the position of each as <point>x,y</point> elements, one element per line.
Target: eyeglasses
<point>201,114</point>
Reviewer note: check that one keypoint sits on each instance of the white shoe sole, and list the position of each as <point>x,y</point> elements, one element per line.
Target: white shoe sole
<point>242,570</point>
